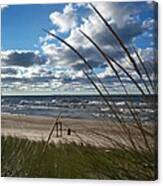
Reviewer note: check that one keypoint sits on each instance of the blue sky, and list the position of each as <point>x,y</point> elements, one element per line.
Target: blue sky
<point>21,25</point>
<point>35,63</point>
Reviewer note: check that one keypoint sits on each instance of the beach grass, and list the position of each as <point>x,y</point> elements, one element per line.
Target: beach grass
<point>25,158</point>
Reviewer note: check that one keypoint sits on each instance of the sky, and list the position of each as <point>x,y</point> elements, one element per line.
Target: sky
<point>33,62</point>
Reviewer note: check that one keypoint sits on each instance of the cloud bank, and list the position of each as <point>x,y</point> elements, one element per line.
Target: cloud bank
<point>62,68</point>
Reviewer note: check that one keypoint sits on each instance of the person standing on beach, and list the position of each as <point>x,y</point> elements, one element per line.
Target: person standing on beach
<point>69,131</point>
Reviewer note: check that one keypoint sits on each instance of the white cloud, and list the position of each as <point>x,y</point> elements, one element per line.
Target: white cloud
<point>65,20</point>
<point>117,12</point>
<point>148,24</point>
<point>107,72</point>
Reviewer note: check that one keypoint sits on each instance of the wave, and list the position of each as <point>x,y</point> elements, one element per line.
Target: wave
<point>75,107</point>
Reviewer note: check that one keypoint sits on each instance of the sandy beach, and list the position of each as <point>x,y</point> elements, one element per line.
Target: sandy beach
<point>93,132</point>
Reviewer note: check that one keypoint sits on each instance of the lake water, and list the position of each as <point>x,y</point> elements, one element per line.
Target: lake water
<point>88,107</point>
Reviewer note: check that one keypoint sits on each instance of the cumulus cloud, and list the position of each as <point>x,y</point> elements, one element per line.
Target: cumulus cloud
<point>118,13</point>
<point>21,58</point>
<point>65,20</point>
<point>62,67</point>
<point>38,77</point>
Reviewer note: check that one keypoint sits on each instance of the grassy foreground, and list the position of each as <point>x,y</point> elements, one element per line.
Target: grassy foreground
<point>25,158</point>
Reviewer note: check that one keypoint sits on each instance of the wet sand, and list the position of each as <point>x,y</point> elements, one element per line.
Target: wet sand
<point>93,132</point>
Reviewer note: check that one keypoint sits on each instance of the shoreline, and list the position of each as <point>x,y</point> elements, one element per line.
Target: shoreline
<point>86,131</point>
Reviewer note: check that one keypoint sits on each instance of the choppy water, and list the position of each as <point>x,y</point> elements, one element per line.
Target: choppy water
<point>79,106</point>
